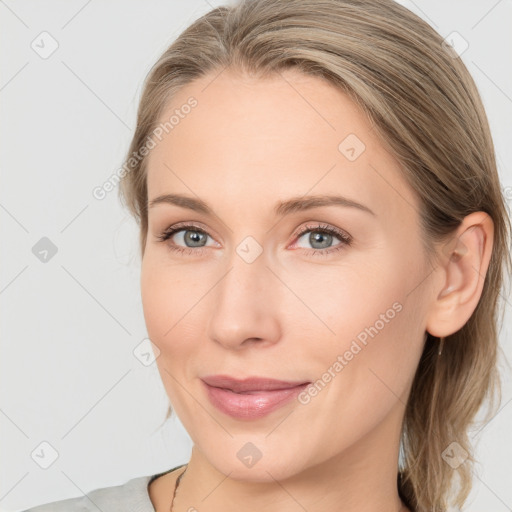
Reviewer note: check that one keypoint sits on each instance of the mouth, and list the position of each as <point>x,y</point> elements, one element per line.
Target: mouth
<point>250,398</point>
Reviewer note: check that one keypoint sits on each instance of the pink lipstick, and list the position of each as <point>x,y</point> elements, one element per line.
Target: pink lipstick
<point>250,398</point>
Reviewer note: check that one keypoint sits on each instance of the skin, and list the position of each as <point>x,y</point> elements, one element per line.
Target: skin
<point>249,144</point>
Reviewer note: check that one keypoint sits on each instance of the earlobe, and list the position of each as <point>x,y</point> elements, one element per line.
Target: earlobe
<point>464,261</point>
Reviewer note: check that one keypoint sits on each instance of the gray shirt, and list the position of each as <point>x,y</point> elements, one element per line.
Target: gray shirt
<point>132,496</point>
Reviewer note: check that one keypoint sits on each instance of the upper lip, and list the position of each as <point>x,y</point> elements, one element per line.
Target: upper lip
<point>249,383</point>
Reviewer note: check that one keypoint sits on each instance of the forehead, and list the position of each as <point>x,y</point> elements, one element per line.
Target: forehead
<point>266,139</point>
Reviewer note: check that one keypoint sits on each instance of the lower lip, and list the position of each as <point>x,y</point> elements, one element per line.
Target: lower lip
<point>251,406</point>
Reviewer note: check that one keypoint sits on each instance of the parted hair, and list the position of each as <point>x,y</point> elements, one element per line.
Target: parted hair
<point>426,109</point>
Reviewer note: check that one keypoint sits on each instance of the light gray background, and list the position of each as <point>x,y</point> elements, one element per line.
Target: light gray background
<point>70,325</point>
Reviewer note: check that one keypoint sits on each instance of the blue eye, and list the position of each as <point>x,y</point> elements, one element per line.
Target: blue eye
<point>322,236</point>
<point>193,238</point>
<point>191,234</point>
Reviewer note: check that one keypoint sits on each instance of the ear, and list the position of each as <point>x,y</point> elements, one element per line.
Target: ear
<point>464,261</point>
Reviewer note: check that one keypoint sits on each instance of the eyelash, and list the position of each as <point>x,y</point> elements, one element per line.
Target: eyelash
<point>345,239</point>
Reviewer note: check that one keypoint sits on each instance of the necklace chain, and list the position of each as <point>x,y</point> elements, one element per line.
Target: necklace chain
<point>176,487</point>
<point>403,508</point>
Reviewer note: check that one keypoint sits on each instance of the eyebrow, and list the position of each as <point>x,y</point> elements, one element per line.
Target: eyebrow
<point>293,205</point>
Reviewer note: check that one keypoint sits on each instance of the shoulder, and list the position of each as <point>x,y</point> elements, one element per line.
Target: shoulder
<point>131,496</point>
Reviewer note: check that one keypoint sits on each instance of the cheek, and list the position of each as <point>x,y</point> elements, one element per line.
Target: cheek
<point>342,300</point>
<point>165,306</point>
<point>164,297</point>
<point>366,314</point>
<point>174,302</point>
<point>166,288</point>
<point>365,367</point>
<point>155,303</point>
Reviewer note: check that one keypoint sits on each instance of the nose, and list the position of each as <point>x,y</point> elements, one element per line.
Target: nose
<point>246,306</point>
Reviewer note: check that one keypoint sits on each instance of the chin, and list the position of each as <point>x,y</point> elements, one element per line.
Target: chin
<point>251,464</point>
<point>260,473</point>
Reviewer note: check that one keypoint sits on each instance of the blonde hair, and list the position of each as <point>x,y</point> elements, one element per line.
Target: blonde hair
<point>427,110</point>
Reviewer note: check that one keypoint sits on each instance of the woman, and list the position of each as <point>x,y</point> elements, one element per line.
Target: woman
<point>323,242</point>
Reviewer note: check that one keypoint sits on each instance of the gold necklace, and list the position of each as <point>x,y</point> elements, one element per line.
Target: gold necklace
<point>176,487</point>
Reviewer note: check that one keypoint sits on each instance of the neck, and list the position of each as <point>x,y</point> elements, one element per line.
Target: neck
<point>362,478</point>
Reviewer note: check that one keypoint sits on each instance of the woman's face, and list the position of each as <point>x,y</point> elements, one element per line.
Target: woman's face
<point>269,282</point>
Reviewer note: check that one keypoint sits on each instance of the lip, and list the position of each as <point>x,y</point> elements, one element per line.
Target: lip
<point>252,397</point>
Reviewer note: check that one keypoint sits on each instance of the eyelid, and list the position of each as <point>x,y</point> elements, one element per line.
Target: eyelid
<point>184,225</point>
<point>345,238</point>
<point>320,226</point>
<point>297,234</point>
